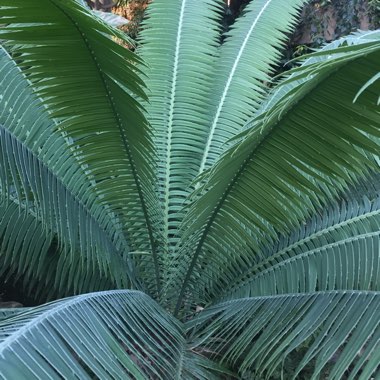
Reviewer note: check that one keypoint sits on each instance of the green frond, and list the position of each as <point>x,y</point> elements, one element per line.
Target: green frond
<point>350,43</point>
<point>27,121</point>
<point>86,251</point>
<point>243,69</point>
<point>287,165</point>
<point>135,338</point>
<point>24,115</point>
<point>336,249</point>
<point>113,335</point>
<point>337,329</point>
<point>92,96</point>
<point>179,79</point>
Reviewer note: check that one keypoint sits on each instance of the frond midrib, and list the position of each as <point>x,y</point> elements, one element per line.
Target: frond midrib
<point>226,88</point>
<point>170,122</point>
<point>297,295</point>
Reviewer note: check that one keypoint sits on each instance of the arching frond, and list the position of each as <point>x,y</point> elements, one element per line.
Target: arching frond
<point>112,335</point>
<point>91,94</point>
<point>134,338</point>
<point>336,249</point>
<point>87,248</point>
<point>338,329</point>
<point>247,58</point>
<point>24,115</point>
<point>27,121</point>
<point>282,89</point>
<point>286,166</point>
<point>179,79</point>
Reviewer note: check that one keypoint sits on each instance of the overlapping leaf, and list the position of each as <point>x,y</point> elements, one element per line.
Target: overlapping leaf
<point>338,329</point>
<point>32,152</point>
<point>286,166</point>
<point>89,254</point>
<point>134,338</point>
<point>89,82</point>
<point>337,248</point>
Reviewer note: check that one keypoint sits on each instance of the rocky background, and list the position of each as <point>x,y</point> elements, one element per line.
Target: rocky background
<point>321,20</point>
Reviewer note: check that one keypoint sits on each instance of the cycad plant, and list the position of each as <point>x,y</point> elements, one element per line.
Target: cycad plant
<point>236,214</point>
